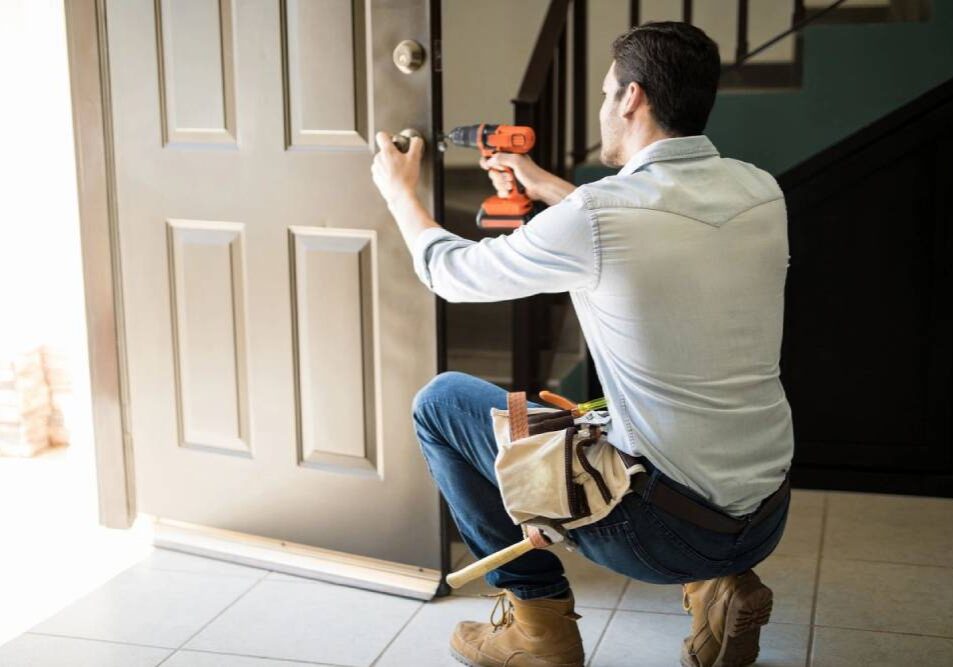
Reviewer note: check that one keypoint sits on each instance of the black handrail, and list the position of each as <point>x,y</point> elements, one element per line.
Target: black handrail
<point>540,101</point>
<point>797,26</point>
<point>541,104</point>
<point>534,79</point>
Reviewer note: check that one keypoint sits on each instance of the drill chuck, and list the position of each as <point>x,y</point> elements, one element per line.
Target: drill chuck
<point>468,136</point>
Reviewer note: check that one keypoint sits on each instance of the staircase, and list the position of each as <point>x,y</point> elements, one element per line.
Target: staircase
<point>536,343</point>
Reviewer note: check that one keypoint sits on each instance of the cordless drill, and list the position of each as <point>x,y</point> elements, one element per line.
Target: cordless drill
<point>515,208</point>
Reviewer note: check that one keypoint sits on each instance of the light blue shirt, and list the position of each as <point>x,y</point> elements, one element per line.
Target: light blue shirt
<point>676,268</point>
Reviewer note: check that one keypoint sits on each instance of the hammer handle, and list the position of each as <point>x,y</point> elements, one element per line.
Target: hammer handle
<point>491,562</point>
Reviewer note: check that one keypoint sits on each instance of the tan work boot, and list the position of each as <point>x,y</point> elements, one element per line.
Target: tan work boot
<point>727,615</point>
<point>530,633</point>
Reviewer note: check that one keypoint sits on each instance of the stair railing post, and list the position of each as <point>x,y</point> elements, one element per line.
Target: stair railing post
<point>799,12</point>
<point>741,48</point>
<point>579,81</point>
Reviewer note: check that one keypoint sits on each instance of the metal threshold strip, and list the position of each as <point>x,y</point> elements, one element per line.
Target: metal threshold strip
<point>299,560</point>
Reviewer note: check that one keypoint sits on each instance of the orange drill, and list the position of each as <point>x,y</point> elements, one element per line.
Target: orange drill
<point>515,208</point>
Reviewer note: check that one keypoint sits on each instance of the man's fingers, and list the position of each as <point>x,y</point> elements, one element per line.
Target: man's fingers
<point>416,149</point>
<point>501,160</point>
<point>384,140</point>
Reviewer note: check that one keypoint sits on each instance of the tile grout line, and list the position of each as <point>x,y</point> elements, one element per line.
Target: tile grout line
<point>605,629</point>
<point>397,634</point>
<point>892,562</point>
<point>809,658</point>
<point>176,650</point>
<point>259,657</point>
<point>95,639</point>
<point>886,632</point>
<point>211,620</point>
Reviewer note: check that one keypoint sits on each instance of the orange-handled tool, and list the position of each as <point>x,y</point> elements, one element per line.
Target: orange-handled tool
<point>515,208</point>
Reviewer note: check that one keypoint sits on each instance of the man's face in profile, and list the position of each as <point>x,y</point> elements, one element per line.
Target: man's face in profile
<point>611,126</point>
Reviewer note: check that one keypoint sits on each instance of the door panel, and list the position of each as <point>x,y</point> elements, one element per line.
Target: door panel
<point>276,332</point>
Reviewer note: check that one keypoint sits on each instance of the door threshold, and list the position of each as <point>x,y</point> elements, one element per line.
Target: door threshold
<point>299,560</point>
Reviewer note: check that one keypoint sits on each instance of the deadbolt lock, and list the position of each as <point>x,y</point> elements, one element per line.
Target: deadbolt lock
<point>408,56</point>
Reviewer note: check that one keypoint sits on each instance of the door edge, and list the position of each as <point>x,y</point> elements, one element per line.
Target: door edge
<point>96,194</point>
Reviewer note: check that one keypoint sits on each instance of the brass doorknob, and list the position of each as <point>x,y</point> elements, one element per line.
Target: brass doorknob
<point>402,139</point>
<point>408,56</point>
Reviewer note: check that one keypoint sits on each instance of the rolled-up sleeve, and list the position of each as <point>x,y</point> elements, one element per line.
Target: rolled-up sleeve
<point>554,252</point>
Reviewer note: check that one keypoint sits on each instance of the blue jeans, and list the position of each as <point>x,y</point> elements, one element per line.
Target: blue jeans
<point>637,539</point>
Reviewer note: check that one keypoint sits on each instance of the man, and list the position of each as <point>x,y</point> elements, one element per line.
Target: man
<point>676,269</point>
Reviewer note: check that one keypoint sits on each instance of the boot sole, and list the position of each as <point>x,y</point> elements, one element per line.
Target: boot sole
<point>459,657</point>
<point>748,611</point>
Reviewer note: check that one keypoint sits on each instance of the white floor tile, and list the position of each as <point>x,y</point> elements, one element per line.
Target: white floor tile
<point>177,561</point>
<point>834,647</point>
<point>316,622</point>
<point>151,607</point>
<point>658,598</point>
<point>592,585</point>
<point>655,640</point>
<point>202,659</point>
<point>886,597</point>
<point>33,650</point>
<point>893,529</point>
<point>791,579</point>
<point>426,639</point>
<point>802,532</point>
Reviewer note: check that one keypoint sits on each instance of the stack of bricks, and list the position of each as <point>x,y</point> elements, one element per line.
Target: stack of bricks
<point>33,385</point>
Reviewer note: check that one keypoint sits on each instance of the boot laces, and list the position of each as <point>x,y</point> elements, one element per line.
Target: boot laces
<point>505,607</point>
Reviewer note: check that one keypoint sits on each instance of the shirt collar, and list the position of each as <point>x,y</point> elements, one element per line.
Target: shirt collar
<point>676,148</point>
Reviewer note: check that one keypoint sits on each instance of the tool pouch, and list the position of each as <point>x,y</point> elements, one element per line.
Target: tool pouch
<point>572,475</point>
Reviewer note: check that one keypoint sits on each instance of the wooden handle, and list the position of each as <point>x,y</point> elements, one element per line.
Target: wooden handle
<point>491,562</point>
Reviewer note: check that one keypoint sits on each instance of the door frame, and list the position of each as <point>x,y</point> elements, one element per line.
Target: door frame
<point>109,381</point>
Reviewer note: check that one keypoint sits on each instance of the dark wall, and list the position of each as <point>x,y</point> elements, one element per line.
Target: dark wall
<point>866,358</point>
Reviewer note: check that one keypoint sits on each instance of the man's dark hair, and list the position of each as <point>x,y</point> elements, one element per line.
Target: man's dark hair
<point>677,65</point>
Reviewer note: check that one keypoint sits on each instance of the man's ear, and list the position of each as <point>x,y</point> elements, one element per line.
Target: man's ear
<point>633,97</point>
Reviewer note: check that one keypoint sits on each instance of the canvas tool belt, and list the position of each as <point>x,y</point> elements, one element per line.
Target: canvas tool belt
<point>547,466</point>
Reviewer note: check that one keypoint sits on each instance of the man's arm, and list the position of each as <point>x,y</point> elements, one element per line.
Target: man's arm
<point>396,175</point>
<point>555,252</point>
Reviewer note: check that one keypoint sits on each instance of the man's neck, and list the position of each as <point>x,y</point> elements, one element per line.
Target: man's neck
<point>641,137</point>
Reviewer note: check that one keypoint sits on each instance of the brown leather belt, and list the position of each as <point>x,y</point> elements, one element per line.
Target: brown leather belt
<point>678,504</point>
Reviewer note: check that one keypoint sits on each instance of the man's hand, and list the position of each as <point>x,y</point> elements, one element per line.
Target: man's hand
<point>396,174</point>
<point>538,183</point>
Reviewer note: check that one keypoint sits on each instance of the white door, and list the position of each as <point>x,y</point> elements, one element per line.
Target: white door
<point>275,331</point>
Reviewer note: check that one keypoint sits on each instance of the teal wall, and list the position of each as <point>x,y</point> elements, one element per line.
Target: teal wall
<point>853,75</point>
